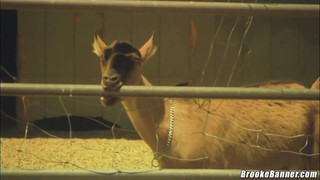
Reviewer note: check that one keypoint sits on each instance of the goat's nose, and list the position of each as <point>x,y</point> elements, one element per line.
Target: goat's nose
<point>111,81</point>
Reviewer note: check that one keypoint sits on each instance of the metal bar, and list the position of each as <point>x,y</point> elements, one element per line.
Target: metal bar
<point>21,89</point>
<point>219,8</point>
<point>120,174</point>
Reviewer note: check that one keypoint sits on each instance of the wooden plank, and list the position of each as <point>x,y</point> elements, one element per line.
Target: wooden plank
<point>173,47</point>
<point>31,40</point>
<point>170,81</point>
<point>284,49</point>
<point>31,108</point>
<point>205,26</point>
<point>87,106</point>
<point>308,51</point>
<point>60,44</point>
<point>86,63</point>
<point>118,115</point>
<point>31,61</point>
<point>53,105</point>
<point>60,57</point>
<point>117,26</point>
<point>226,52</point>
<point>257,57</point>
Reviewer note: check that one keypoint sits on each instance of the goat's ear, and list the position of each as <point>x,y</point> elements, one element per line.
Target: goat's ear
<point>316,84</point>
<point>148,49</point>
<point>98,45</point>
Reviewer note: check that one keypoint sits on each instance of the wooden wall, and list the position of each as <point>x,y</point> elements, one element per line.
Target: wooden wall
<point>55,47</point>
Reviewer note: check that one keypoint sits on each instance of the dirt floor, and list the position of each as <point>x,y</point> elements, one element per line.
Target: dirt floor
<point>74,153</point>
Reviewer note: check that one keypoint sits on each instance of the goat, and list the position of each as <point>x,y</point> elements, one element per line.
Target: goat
<point>214,133</point>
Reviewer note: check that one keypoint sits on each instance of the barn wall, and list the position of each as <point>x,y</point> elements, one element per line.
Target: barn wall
<point>55,47</point>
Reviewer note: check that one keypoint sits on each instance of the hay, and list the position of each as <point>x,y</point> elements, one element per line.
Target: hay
<point>76,153</point>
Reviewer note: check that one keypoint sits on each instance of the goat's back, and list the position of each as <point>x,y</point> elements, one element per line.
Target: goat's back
<point>263,134</point>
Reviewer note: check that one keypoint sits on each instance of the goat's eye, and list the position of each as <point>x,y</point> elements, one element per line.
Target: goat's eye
<point>107,53</point>
<point>135,58</point>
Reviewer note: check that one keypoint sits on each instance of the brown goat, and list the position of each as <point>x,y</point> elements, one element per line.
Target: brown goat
<point>216,133</point>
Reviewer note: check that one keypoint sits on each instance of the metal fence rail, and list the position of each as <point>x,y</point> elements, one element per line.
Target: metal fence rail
<point>177,174</point>
<point>115,174</point>
<point>20,89</point>
<point>219,8</point>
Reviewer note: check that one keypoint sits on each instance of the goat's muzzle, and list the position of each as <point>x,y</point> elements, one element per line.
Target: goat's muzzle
<point>109,100</point>
<point>111,80</point>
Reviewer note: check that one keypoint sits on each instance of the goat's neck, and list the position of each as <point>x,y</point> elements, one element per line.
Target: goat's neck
<point>146,114</point>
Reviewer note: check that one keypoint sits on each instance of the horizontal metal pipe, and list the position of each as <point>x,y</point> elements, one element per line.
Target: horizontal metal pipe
<point>218,8</point>
<point>120,174</point>
<point>21,89</point>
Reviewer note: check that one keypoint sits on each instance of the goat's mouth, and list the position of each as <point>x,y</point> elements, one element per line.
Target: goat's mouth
<point>109,100</point>
<point>115,86</point>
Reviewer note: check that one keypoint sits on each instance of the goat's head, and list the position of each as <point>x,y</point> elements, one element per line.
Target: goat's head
<point>121,64</point>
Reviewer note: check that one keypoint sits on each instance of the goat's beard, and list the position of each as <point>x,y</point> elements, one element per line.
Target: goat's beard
<point>109,100</point>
